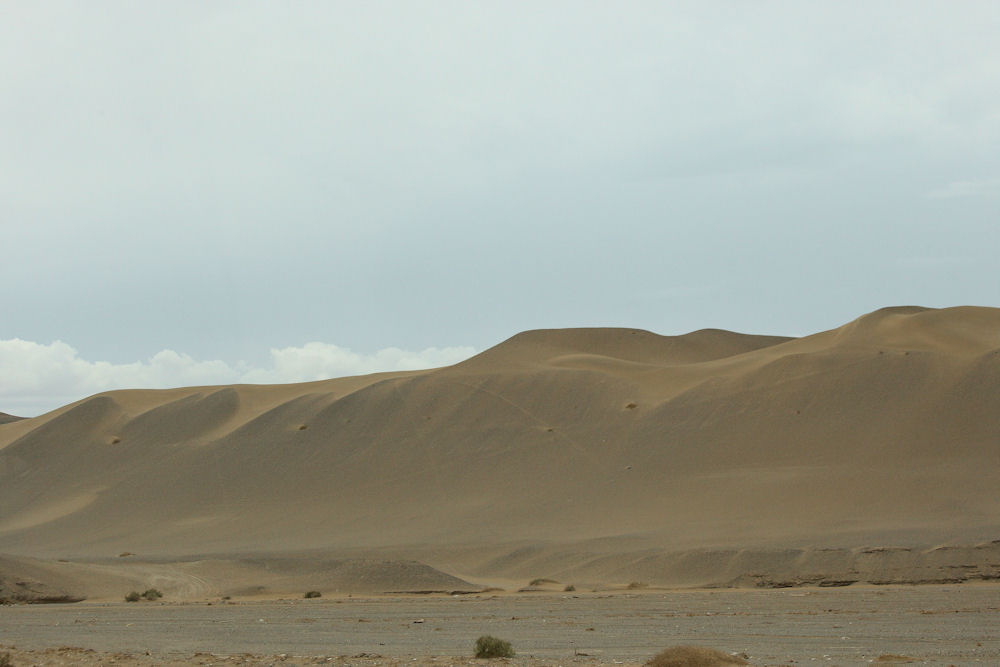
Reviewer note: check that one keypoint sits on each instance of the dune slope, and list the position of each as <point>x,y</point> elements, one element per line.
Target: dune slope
<point>883,431</point>
<point>6,418</point>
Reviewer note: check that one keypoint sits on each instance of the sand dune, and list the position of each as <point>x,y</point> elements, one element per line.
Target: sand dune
<point>37,580</point>
<point>605,449</point>
<point>6,418</point>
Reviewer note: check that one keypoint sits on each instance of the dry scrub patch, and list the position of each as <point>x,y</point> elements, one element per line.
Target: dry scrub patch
<point>489,646</point>
<point>693,656</point>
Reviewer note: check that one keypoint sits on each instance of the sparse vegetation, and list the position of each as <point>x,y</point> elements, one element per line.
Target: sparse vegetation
<point>313,594</point>
<point>693,656</point>
<point>636,585</point>
<point>5,660</point>
<point>539,582</point>
<point>569,588</point>
<point>149,594</point>
<point>489,646</point>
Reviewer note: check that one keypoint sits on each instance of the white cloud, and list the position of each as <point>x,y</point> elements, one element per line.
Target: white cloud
<point>35,377</point>
<point>976,188</point>
<point>316,361</point>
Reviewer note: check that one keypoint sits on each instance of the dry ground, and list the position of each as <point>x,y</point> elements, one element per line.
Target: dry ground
<point>933,625</point>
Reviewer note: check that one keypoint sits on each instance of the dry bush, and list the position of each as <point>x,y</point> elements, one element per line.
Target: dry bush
<point>693,656</point>
<point>540,581</point>
<point>488,646</point>
<point>313,594</point>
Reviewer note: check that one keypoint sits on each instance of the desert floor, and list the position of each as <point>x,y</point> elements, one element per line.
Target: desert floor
<point>936,625</point>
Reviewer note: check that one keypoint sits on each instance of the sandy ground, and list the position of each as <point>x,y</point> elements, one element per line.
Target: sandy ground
<point>933,625</point>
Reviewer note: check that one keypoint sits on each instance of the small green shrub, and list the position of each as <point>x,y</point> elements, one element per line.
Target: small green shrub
<point>488,646</point>
<point>152,594</point>
<point>134,596</point>
<point>313,594</point>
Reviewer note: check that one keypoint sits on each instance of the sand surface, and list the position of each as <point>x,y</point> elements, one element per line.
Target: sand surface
<point>933,625</point>
<point>869,453</point>
<point>6,418</point>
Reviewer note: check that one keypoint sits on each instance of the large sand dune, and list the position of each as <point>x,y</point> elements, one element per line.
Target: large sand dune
<point>608,454</point>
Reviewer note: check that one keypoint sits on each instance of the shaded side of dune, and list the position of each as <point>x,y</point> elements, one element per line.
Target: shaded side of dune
<point>584,565</point>
<point>7,419</point>
<point>31,580</point>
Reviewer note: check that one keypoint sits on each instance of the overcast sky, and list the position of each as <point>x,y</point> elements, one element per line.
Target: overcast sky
<point>213,192</point>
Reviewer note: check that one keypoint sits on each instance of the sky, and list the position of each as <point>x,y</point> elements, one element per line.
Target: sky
<point>217,192</point>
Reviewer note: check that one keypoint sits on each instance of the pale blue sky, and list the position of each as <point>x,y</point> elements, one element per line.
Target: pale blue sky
<point>233,180</point>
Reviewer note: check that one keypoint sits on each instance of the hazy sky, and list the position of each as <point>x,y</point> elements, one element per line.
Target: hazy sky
<point>200,192</point>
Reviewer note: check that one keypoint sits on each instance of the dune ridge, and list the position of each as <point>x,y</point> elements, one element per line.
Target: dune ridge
<point>6,418</point>
<point>882,432</point>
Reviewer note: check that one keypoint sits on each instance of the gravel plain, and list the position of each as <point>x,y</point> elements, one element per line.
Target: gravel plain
<point>932,625</point>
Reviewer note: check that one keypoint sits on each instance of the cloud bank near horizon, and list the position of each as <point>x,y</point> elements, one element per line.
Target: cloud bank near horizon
<point>37,377</point>
<point>223,178</point>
